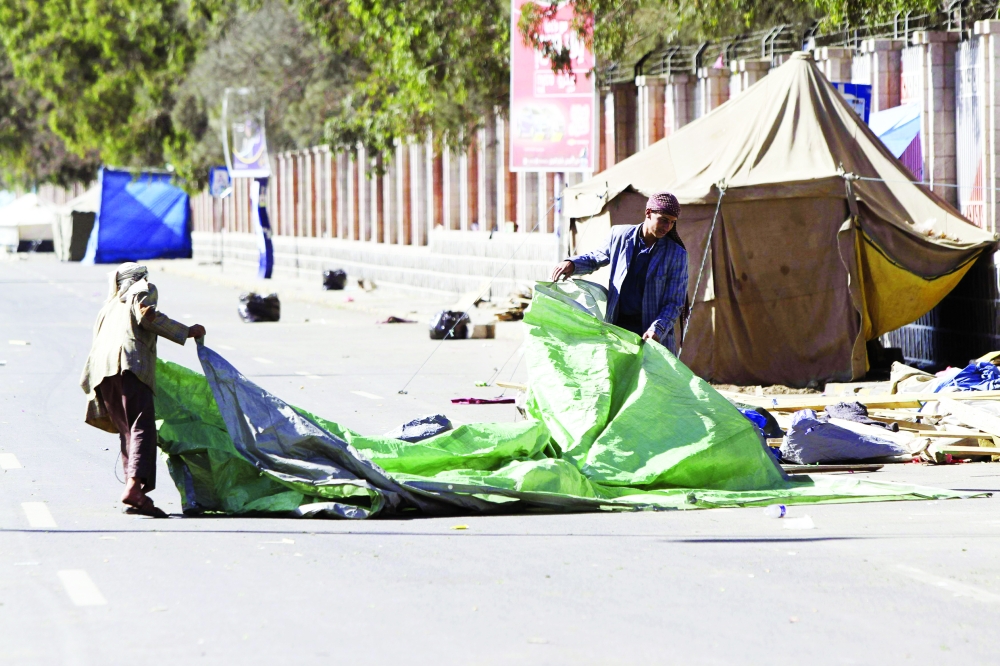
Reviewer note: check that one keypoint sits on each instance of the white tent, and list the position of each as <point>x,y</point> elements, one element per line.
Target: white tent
<point>26,220</point>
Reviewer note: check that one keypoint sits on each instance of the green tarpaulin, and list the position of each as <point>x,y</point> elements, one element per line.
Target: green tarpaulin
<point>615,423</point>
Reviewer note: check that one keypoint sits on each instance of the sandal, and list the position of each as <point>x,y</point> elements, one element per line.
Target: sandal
<point>147,508</point>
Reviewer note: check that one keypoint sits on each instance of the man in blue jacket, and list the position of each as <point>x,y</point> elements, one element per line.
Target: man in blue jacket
<point>649,276</point>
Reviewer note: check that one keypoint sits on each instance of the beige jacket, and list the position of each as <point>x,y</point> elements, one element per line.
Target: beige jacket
<point>125,339</point>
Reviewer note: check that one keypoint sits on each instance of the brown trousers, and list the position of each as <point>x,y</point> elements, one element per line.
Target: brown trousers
<point>129,404</point>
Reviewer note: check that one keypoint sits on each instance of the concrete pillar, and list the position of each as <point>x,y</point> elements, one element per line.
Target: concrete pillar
<point>834,62</point>
<point>523,197</point>
<point>482,179</point>
<point>353,216</point>
<point>937,130</point>
<point>296,194</point>
<point>678,102</point>
<point>599,128</point>
<point>625,116</point>
<point>376,212</point>
<point>471,181</point>
<point>649,95</point>
<point>330,179</point>
<point>418,199</point>
<point>550,201</point>
<point>750,72</point>
<point>340,210</point>
<point>608,128</point>
<point>884,66</point>
<point>712,89</point>
<point>500,176</point>
<point>989,49</point>
<point>464,171</point>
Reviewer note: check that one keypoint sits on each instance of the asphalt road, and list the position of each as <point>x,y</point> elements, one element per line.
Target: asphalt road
<point>82,583</point>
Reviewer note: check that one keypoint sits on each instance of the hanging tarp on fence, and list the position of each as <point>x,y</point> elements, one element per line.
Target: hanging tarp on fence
<point>141,216</point>
<point>615,423</point>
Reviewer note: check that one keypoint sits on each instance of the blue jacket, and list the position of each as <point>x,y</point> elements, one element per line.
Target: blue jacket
<point>666,279</point>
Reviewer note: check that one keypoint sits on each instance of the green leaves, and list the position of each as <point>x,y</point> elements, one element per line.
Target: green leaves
<point>106,68</point>
<point>434,65</point>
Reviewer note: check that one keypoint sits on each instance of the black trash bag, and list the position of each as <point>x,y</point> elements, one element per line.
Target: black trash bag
<point>335,279</point>
<point>254,307</point>
<point>422,428</point>
<point>450,324</point>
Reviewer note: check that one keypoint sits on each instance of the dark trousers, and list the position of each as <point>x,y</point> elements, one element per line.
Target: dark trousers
<point>129,404</point>
<point>631,323</point>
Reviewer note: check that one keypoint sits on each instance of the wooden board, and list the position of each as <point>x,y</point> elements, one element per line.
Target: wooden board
<point>896,401</point>
<point>970,450</point>
<point>819,469</point>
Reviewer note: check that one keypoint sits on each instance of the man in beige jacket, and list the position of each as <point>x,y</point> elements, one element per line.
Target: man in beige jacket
<point>119,377</point>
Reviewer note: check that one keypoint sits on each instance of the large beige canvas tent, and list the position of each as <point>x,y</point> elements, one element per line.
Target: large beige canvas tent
<point>821,242</point>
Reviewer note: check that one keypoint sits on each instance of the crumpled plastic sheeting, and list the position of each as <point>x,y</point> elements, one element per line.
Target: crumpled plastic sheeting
<point>617,424</point>
<point>813,439</point>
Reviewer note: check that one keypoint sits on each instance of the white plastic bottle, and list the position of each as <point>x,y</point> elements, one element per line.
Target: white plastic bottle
<point>775,511</point>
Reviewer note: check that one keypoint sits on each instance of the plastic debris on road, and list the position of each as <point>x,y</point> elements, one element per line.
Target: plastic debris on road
<point>814,439</point>
<point>615,424</point>
<point>483,401</point>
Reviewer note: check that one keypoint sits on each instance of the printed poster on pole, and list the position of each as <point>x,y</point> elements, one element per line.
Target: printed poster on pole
<point>552,117</point>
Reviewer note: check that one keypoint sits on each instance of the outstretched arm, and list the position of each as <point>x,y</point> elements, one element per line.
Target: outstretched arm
<point>585,263</point>
<point>144,308</point>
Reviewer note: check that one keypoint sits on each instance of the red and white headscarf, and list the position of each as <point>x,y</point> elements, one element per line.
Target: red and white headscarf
<point>665,203</point>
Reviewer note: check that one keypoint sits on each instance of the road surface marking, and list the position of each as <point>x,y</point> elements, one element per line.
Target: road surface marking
<point>21,343</point>
<point>38,514</point>
<point>9,461</point>
<point>953,586</point>
<point>307,375</point>
<point>366,394</point>
<point>80,588</point>
<point>226,347</point>
<point>262,360</point>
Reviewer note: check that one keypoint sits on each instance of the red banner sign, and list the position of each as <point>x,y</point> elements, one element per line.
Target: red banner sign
<point>551,115</point>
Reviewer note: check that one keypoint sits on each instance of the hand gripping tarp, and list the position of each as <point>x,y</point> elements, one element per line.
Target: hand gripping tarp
<point>616,424</point>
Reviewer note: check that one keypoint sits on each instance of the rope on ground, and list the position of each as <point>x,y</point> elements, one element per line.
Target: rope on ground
<point>464,316</point>
<point>721,186</point>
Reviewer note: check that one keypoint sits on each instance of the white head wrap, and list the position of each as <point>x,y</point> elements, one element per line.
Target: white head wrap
<point>122,278</point>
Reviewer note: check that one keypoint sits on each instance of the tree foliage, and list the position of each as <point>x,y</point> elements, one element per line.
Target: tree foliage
<point>140,82</point>
<point>30,152</point>
<point>300,80</point>
<point>438,65</point>
<point>622,30</point>
<point>106,67</point>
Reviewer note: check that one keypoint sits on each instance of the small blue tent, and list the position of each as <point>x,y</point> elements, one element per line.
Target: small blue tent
<point>899,129</point>
<point>141,216</point>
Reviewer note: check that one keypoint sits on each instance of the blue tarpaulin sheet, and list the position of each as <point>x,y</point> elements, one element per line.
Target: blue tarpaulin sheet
<point>141,216</point>
<point>896,127</point>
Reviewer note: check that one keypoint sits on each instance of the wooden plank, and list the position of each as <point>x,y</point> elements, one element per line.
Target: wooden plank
<point>819,469</point>
<point>974,416</point>
<point>970,450</point>
<point>896,401</point>
<point>952,434</point>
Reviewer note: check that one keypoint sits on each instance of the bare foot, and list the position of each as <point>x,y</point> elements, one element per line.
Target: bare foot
<point>147,508</point>
<point>133,495</point>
